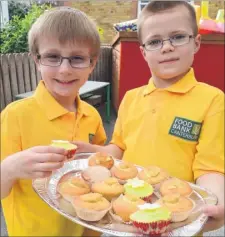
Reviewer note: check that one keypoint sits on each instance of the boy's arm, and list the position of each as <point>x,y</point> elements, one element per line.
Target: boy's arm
<point>10,143</point>
<point>208,165</point>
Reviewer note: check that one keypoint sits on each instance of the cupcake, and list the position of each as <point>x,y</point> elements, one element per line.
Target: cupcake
<point>72,187</point>
<point>102,159</point>
<point>95,174</point>
<point>179,206</point>
<point>91,206</point>
<point>139,188</point>
<point>175,185</point>
<point>124,171</point>
<point>71,148</point>
<point>151,219</point>
<point>153,175</point>
<point>124,206</point>
<point>109,188</point>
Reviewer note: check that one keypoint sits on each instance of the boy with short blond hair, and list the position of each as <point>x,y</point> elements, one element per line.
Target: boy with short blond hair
<point>174,122</point>
<point>65,45</point>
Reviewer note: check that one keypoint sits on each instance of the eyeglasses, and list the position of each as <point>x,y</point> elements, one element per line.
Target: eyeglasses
<point>52,60</point>
<point>176,40</point>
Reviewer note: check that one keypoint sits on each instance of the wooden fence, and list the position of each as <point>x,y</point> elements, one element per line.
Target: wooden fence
<point>18,73</point>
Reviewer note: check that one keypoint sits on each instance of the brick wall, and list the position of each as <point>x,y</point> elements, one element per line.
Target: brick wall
<point>107,12</point>
<point>214,6</point>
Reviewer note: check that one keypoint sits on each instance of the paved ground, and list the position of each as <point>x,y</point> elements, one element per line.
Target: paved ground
<point>109,129</point>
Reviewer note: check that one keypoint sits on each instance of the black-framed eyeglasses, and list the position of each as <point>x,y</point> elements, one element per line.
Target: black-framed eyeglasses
<point>53,60</point>
<point>175,40</point>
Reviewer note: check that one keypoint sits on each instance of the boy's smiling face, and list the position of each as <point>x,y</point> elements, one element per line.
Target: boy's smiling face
<point>169,62</point>
<point>63,81</point>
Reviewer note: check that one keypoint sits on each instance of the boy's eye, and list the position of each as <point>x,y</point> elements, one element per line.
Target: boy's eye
<point>178,37</point>
<point>52,58</point>
<point>154,42</point>
<point>77,59</point>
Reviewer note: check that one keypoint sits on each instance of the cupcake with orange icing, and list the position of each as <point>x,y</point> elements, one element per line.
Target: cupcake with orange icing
<point>153,175</point>
<point>102,159</point>
<point>124,171</point>
<point>175,185</point>
<point>110,188</point>
<point>91,206</point>
<point>73,187</point>
<point>124,206</point>
<point>180,206</point>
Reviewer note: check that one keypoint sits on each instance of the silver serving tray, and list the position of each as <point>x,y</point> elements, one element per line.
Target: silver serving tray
<point>46,189</point>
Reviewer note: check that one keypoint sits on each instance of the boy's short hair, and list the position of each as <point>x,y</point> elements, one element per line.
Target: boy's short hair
<point>160,6</point>
<point>67,25</point>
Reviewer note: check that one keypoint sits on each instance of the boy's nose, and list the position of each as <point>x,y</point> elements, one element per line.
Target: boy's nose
<point>65,66</point>
<point>167,47</point>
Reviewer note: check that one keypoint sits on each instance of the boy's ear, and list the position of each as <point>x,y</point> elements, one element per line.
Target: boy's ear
<point>197,43</point>
<point>143,52</point>
<point>93,63</point>
<point>36,61</point>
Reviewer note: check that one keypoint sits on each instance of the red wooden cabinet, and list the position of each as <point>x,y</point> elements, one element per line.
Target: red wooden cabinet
<point>131,71</point>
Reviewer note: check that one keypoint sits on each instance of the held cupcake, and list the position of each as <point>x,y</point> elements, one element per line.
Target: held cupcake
<point>153,175</point>
<point>175,185</point>
<point>124,206</point>
<point>124,171</point>
<point>91,206</point>
<point>102,159</point>
<point>73,187</point>
<point>109,188</point>
<point>180,206</point>
<point>139,188</point>
<point>151,219</point>
<point>71,148</point>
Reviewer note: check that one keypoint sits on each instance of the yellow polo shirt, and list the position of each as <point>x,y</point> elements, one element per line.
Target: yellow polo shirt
<point>180,128</point>
<point>36,121</point>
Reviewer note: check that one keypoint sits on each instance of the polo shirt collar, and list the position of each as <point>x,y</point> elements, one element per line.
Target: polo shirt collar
<point>182,86</point>
<point>50,105</point>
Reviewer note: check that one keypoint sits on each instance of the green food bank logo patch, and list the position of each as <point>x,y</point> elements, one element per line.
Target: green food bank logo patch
<point>186,129</point>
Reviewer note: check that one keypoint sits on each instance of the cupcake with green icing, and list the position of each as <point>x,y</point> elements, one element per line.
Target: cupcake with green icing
<point>139,188</point>
<point>71,148</point>
<point>151,219</point>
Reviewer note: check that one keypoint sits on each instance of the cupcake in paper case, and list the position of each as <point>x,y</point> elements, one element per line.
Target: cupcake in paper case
<point>71,148</point>
<point>124,171</point>
<point>139,188</point>
<point>102,159</point>
<point>124,206</point>
<point>153,175</point>
<point>151,219</point>
<point>91,206</point>
<point>110,188</point>
<point>175,185</point>
<point>180,207</point>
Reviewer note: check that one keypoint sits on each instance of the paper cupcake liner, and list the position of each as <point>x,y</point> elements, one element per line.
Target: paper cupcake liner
<point>153,228</point>
<point>90,215</point>
<point>117,218</point>
<point>182,216</point>
<point>147,198</point>
<point>71,153</point>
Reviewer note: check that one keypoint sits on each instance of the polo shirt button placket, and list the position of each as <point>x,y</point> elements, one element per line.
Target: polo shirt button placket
<point>153,111</point>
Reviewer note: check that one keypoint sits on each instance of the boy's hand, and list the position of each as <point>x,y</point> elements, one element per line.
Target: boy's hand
<point>84,147</point>
<point>36,162</point>
<point>216,220</point>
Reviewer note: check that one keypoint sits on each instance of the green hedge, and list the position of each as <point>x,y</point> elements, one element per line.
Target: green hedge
<point>13,37</point>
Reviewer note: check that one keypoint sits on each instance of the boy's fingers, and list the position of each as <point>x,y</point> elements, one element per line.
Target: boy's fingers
<point>49,149</point>
<point>216,212</point>
<point>42,174</point>
<point>44,167</point>
<point>51,157</point>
